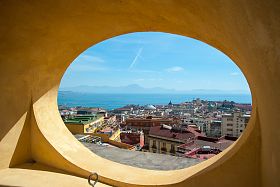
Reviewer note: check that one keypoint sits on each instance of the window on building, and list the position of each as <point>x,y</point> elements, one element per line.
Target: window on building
<point>172,150</point>
<point>163,148</point>
<point>154,144</point>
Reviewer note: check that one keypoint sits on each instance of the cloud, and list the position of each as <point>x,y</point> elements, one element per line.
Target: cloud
<point>149,79</point>
<point>135,58</point>
<point>89,58</point>
<point>175,69</point>
<point>155,79</point>
<point>87,63</point>
<point>142,71</point>
<point>130,41</point>
<point>85,68</point>
<point>139,80</point>
<point>234,74</point>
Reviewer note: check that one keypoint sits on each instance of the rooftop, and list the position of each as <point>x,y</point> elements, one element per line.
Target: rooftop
<point>85,119</point>
<point>150,107</point>
<point>173,133</point>
<point>221,143</point>
<point>142,159</point>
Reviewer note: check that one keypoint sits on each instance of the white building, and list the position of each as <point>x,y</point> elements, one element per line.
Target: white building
<point>234,124</point>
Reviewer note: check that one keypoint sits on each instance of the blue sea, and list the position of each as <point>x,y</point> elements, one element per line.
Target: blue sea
<point>112,101</point>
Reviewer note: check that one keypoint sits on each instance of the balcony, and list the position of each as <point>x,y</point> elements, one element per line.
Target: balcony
<point>172,151</point>
<point>163,150</point>
<point>154,147</point>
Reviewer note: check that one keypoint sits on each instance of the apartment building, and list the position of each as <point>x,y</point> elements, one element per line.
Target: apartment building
<point>83,124</point>
<point>234,124</point>
<point>165,139</point>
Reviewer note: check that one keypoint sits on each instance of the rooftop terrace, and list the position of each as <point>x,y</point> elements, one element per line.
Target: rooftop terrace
<point>145,160</point>
<point>82,119</point>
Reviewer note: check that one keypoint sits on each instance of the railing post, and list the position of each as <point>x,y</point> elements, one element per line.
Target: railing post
<point>96,179</point>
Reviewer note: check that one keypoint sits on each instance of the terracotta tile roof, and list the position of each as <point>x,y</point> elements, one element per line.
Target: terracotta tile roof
<point>198,143</point>
<point>179,134</point>
<point>195,132</point>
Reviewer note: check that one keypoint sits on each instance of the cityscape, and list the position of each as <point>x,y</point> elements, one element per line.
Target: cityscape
<point>196,130</point>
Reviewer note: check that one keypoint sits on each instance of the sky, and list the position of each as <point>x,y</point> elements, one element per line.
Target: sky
<point>155,59</point>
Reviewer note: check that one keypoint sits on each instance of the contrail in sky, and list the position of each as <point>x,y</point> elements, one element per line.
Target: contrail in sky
<point>136,57</point>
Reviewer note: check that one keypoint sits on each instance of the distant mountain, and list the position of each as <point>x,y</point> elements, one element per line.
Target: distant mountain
<point>133,88</point>
<point>136,89</point>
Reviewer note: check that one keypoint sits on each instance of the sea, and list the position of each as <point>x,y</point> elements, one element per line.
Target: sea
<point>113,101</point>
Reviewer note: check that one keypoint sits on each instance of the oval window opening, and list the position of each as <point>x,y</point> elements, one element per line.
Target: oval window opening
<point>154,100</point>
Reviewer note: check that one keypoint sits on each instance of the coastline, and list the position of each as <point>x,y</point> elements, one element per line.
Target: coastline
<point>112,101</point>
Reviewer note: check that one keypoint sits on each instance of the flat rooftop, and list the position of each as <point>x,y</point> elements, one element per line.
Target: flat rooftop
<point>140,159</point>
<point>84,119</point>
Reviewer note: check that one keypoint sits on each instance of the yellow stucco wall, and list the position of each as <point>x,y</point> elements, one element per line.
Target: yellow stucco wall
<point>39,39</point>
<point>160,145</point>
<point>77,128</point>
<point>97,122</point>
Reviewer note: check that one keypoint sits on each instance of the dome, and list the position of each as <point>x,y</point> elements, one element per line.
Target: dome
<point>150,107</point>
